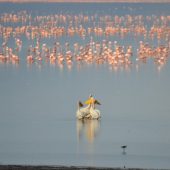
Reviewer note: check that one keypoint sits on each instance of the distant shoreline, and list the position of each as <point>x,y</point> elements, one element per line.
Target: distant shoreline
<point>32,167</point>
<point>86,1</point>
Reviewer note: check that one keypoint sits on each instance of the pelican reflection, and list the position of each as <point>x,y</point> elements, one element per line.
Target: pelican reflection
<point>87,129</point>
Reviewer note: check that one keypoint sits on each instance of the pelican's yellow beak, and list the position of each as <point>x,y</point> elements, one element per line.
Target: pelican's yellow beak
<point>89,101</point>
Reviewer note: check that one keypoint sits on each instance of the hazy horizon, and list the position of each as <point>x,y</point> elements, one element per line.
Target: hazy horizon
<point>90,1</point>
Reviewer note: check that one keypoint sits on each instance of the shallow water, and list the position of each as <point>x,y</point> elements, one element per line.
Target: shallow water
<point>38,103</point>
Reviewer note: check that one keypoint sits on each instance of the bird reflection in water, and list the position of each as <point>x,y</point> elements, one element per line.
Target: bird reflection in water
<point>87,129</point>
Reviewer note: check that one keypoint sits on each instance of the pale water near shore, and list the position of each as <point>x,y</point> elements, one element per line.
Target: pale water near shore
<point>38,105</point>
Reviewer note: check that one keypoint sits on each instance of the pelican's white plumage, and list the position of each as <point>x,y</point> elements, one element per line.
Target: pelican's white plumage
<point>88,112</point>
<point>82,112</point>
<point>94,113</point>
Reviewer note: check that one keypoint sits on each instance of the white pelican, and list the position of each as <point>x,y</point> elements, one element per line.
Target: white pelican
<point>82,112</point>
<point>88,112</point>
<point>93,113</point>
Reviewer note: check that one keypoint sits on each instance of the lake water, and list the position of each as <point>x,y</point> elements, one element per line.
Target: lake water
<point>38,101</point>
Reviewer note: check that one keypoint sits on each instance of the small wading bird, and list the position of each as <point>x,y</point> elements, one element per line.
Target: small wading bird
<point>124,147</point>
<point>88,112</point>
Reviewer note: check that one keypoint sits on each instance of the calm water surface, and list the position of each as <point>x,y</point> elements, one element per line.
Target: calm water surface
<point>38,105</point>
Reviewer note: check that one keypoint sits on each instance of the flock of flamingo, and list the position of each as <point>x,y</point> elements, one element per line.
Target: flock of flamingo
<point>95,35</point>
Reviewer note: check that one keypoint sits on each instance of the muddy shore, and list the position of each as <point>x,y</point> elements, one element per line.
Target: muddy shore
<point>29,167</point>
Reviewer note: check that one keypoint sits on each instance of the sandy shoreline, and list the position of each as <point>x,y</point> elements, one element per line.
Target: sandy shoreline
<point>30,167</point>
<point>43,167</point>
